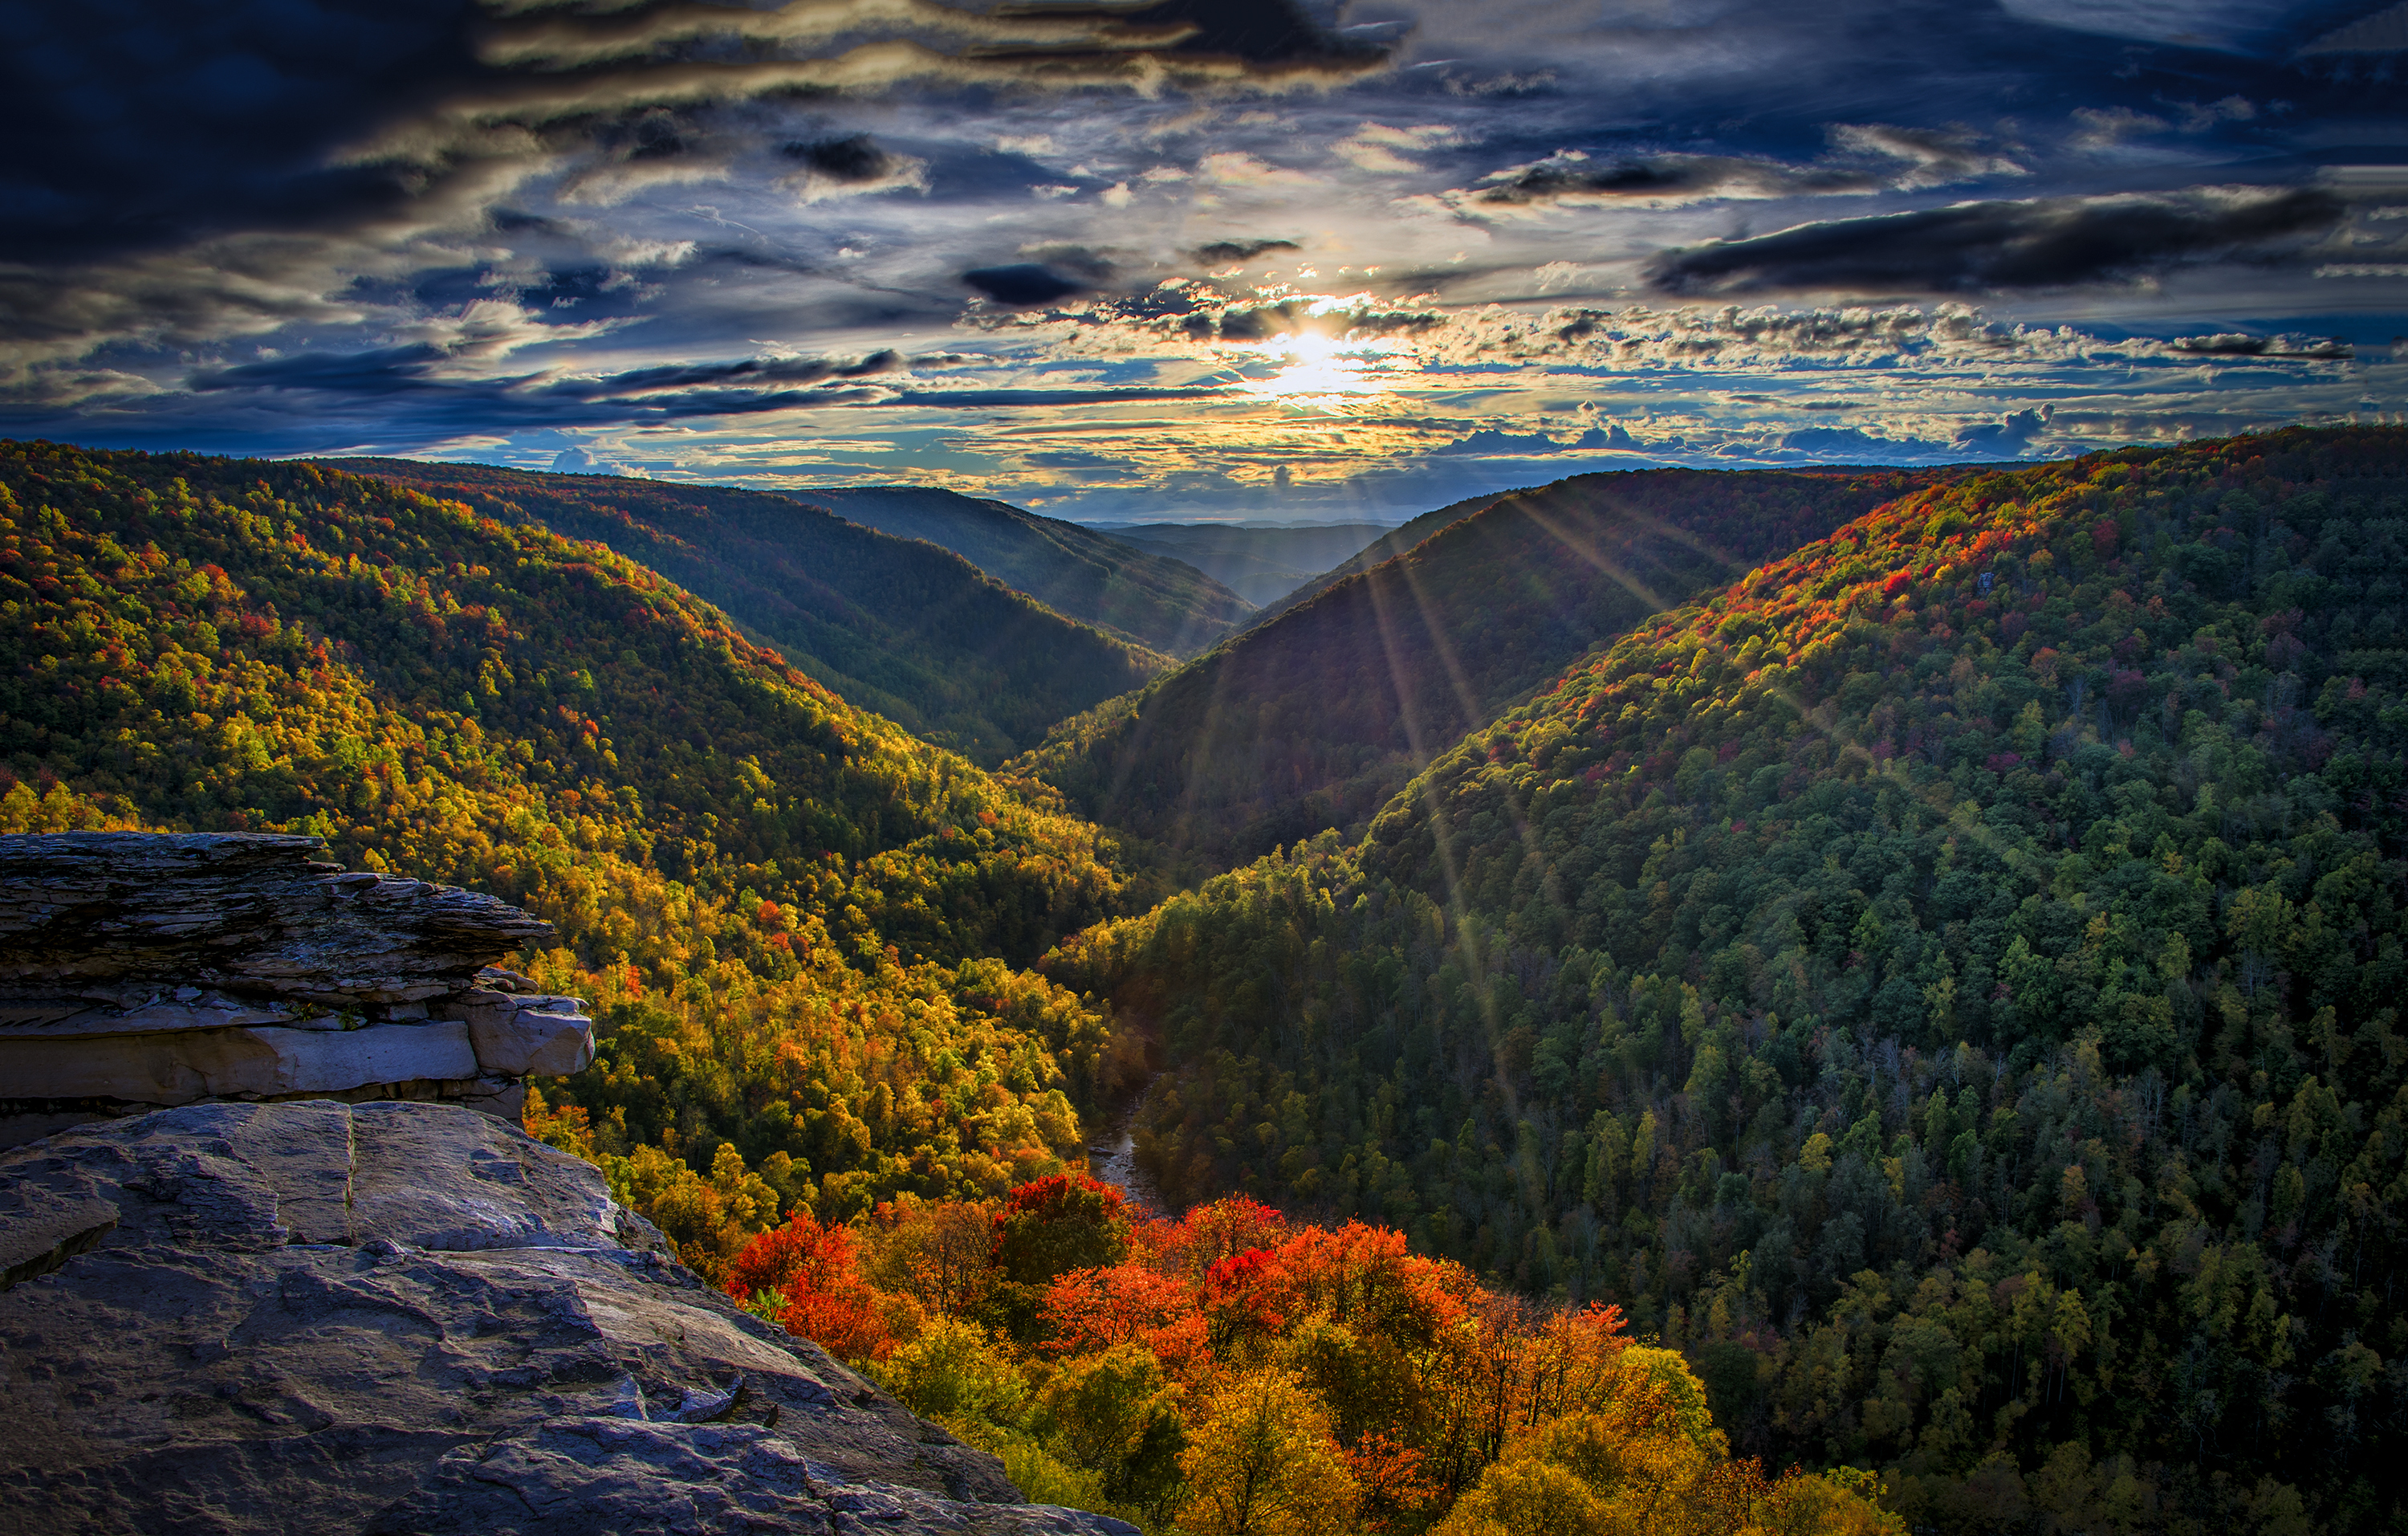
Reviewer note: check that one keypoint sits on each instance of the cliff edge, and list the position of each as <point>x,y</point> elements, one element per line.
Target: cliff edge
<point>141,971</point>
<point>263,1312</point>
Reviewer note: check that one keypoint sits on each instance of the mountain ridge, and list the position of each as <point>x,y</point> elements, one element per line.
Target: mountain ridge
<point>1149,599</point>
<point>908,629</point>
<point>1314,718</point>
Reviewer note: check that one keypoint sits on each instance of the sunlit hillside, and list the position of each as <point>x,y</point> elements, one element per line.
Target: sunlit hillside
<point>800,926</point>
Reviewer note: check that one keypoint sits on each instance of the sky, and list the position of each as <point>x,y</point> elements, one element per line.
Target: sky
<point>1199,259</point>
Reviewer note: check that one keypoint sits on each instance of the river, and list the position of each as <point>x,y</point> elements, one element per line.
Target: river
<point>1112,1158</point>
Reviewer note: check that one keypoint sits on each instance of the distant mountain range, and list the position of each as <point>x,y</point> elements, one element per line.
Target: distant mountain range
<point>1134,592</point>
<point>1260,563</point>
<point>1387,544</point>
<point>894,624</point>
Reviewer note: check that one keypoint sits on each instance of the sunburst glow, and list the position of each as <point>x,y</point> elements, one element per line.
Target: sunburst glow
<point>1318,370</point>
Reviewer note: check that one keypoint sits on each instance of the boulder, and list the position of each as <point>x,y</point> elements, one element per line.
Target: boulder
<point>526,1036</point>
<point>317,1318</point>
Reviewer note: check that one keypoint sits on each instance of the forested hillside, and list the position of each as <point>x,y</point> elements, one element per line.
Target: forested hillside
<point>912,631</point>
<point>1316,719</point>
<point>1140,595</point>
<point>1946,984</point>
<point>799,925</point>
<point>820,1070</point>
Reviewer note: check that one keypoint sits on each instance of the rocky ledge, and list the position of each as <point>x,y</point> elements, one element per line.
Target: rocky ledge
<point>139,970</point>
<point>402,1319</point>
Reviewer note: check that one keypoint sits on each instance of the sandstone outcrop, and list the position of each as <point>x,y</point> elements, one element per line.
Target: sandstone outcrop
<point>402,1319</point>
<point>141,971</point>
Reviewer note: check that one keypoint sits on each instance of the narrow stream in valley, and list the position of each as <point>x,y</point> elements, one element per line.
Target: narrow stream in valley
<point>1111,1156</point>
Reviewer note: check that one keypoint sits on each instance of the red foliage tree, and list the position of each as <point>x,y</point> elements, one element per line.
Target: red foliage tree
<point>811,1266</point>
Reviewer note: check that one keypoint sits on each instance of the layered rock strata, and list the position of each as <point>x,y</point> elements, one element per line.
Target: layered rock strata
<point>139,970</point>
<point>397,1319</point>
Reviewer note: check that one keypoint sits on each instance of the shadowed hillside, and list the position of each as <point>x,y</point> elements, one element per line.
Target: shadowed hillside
<point>1317,718</point>
<point>1391,543</point>
<point>781,907</point>
<point>917,634</point>
<point>1143,596</point>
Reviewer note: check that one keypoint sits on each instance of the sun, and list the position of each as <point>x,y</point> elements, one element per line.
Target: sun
<point>1315,369</point>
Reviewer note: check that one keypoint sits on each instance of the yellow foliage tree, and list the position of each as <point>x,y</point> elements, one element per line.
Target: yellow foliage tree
<point>1263,1464</point>
<point>1643,1458</point>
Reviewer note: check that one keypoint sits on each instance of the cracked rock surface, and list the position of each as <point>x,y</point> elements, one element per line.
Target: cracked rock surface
<point>400,1317</point>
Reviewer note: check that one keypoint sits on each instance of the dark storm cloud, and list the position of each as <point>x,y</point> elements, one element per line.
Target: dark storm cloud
<point>856,159</point>
<point>153,123</point>
<point>2236,344</point>
<point>1667,176</point>
<point>401,399</point>
<point>142,125</point>
<point>2039,243</point>
<point>1222,253</point>
<point>1266,36</point>
<point>411,390</point>
<point>1023,283</point>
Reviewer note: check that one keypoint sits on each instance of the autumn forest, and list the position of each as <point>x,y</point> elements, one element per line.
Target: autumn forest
<point>1759,1001</point>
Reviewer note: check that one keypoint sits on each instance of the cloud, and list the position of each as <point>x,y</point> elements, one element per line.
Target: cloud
<point>1229,253</point>
<point>2385,32</point>
<point>1848,444</point>
<point>1188,312</point>
<point>1021,282</point>
<point>1932,157</point>
<point>2037,243</point>
<point>2237,344</point>
<point>1572,177</point>
<point>981,398</point>
<point>556,42</point>
<point>1492,442</point>
<point>2105,128</point>
<point>1615,438</point>
<point>2007,437</point>
<point>1270,36</point>
<point>423,365</point>
<point>577,461</point>
<point>850,165</point>
<point>1194,317</point>
<point>2223,25</point>
<point>272,151</point>
<point>1868,158</point>
<point>856,159</point>
<point>1381,150</point>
